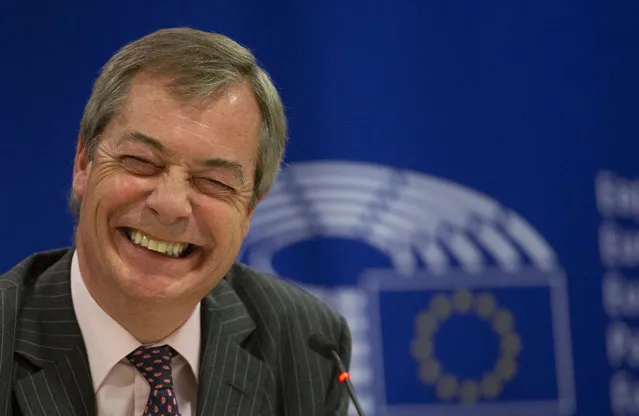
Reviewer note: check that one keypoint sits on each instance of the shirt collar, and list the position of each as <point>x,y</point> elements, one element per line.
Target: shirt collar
<point>107,342</point>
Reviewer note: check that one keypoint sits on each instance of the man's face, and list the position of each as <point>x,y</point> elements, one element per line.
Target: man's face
<point>168,175</point>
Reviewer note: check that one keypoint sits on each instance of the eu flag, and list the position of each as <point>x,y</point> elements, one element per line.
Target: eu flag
<point>480,342</point>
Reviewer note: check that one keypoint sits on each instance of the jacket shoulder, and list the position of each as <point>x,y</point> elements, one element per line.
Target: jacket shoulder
<point>26,272</point>
<point>280,294</point>
<point>282,306</point>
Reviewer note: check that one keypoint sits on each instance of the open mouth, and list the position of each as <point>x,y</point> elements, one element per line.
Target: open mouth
<point>176,250</point>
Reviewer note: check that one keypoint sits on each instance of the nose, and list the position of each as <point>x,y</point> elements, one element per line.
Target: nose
<point>169,201</point>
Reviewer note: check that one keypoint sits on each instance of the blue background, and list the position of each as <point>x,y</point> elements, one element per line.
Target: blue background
<point>523,101</point>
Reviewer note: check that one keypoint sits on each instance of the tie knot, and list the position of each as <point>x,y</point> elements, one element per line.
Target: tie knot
<point>155,365</point>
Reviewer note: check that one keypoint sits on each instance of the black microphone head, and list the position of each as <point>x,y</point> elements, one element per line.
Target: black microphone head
<point>321,345</point>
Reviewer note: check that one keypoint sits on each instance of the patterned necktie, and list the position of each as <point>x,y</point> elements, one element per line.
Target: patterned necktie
<point>155,365</point>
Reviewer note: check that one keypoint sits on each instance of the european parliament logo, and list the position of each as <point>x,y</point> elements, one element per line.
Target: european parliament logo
<point>457,306</point>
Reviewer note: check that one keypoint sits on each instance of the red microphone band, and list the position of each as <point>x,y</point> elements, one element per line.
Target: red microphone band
<point>344,376</point>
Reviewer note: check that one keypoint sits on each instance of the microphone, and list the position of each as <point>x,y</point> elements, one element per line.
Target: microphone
<point>324,347</point>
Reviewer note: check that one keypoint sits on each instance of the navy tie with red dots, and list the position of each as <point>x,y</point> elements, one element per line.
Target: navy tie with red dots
<point>155,365</point>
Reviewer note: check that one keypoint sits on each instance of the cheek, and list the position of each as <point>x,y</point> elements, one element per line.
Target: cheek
<point>118,185</point>
<point>128,185</point>
<point>223,221</point>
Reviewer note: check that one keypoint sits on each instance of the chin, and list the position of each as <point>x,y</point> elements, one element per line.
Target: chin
<point>148,288</point>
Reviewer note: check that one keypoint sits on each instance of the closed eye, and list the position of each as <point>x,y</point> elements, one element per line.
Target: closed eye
<point>218,183</point>
<point>213,185</point>
<point>139,166</point>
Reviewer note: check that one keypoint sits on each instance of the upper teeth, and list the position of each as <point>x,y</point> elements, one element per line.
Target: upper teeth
<point>165,247</point>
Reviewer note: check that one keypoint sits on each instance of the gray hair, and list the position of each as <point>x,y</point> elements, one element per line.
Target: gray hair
<point>200,63</point>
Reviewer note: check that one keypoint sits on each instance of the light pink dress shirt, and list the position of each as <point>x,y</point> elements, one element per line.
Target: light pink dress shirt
<point>120,389</point>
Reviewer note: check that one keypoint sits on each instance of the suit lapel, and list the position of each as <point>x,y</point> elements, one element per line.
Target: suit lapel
<point>48,338</point>
<point>230,377</point>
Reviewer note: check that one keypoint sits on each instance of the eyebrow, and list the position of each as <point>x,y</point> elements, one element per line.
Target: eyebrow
<point>216,162</point>
<point>136,136</point>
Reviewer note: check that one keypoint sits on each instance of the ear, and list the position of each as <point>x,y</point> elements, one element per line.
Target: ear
<point>81,169</point>
<point>249,217</point>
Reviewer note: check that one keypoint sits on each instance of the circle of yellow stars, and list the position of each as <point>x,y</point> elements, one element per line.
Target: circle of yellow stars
<point>463,302</point>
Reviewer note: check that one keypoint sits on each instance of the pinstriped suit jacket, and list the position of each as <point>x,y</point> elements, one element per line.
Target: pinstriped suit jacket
<point>255,359</point>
